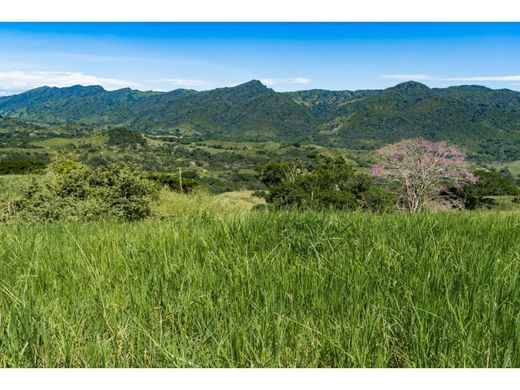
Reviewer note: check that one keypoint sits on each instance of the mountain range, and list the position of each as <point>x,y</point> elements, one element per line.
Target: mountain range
<point>485,122</point>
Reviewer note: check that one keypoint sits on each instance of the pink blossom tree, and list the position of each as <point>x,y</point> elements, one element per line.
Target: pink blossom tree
<point>419,171</point>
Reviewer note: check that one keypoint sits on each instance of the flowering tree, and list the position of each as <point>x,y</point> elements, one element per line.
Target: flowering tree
<point>420,171</point>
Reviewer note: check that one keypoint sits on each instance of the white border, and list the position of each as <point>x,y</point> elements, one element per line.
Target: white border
<point>252,379</point>
<point>266,10</point>
<point>257,10</point>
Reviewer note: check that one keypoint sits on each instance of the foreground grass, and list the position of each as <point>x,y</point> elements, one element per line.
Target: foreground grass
<point>264,289</point>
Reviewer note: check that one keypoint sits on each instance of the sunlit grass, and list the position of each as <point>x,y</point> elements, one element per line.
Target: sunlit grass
<point>198,202</point>
<point>259,289</point>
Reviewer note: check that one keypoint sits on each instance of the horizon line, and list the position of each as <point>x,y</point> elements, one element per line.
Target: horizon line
<point>251,81</point>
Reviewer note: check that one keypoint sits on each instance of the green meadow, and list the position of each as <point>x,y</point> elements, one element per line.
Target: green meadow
<point>212,283</point>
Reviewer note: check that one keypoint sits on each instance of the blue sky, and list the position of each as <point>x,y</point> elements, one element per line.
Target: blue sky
<point>285,56</point>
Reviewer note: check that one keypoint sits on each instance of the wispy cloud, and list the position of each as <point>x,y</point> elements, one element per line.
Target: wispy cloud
<point>407,77</point>
<point>19,81</point>
<point>294,80</point>
<point>184,83</point>
<point>484,78</point>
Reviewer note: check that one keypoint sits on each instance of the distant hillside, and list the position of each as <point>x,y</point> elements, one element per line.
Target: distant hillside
<point>71,104</point>
<point>485,122</point>
<point>248,111</point>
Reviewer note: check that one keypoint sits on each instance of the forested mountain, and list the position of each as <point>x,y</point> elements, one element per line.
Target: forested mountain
<point>484,121</point>
<point>249,111</point>
<point>477,118</point>
<point>70,104</point>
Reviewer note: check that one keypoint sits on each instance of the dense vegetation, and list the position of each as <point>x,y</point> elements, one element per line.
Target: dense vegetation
<point>269,289</point>
<point>180,182</point>
<point>489,184</point>
<point>70,190</point>
<point>218,136</point>
<point>483,121</point>
<point>323,183</point>
<point>124,137</point>
<point>306,279</point>
<point>15,166</point>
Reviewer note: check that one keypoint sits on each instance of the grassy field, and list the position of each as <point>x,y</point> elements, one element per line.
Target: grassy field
<point>216,288</point>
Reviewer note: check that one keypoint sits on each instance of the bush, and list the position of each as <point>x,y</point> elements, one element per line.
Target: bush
<point>489,184</point>
<point>18,166</point>
<point>124,137</point>
<point>323,183</point>
<point>172,181</point>
<point>70,190</point>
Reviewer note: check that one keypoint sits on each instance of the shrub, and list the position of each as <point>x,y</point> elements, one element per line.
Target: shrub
<point>322,183</point>
<point>70,190</point>
<point>477,194</point>
<point>173,182</point>
<point>124,137</point>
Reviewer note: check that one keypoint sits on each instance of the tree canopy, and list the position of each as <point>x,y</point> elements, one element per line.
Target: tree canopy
<point>321,183</point>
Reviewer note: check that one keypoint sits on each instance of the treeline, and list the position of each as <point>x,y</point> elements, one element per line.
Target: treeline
<point>328,183</point>
<point>71,190</point>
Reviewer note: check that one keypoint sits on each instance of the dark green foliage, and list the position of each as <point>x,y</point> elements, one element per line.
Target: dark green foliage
<point>18,166</point>
<point>249,111</point>
<point>72,104</point>
<point>483,121</point>
<point>412,110</point>
<point>323,103</point>
<point>70,190</point>
<point>489,184</point>
<point>219,185</point>
<point>124,137</point>
<point>173,182</point>
<point>324,183</point>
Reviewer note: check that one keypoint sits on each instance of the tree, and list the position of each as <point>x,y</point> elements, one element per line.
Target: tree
<point>179,183</point>
<point>419,172</point>
<point>489,184</point>
<point>124,137</point>
<point>321,183</point>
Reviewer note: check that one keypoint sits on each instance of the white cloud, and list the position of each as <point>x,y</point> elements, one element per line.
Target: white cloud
<point>185,83</point>
<point>293,80</point>
<point>18,81</point>
<point>407,77</point>
<point>484,78</point>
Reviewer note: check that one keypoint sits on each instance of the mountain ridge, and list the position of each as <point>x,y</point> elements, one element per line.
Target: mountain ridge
<point>481,119</point>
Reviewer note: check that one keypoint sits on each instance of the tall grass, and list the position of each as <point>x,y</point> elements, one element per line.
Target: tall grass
<point>275,289</point>
<point>200,202</point>
<point>12,186</point>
